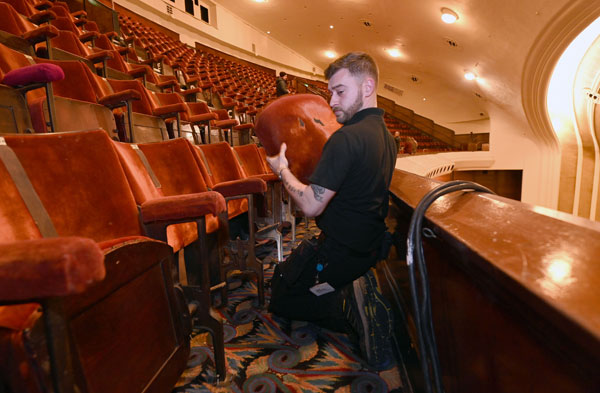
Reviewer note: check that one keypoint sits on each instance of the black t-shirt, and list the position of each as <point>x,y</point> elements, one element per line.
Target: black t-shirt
<point>357,163</point>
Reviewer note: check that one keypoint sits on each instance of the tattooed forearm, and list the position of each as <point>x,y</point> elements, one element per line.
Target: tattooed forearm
<point>291,189</point>
<point>318,191</point>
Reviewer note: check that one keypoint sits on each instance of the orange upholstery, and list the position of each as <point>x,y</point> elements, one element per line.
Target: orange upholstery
<point>143,105</point>
<point>90,203</point>
<point>304,122</point>
<point>222,171</point>
<point>252,162</point>
<point>68,171</point>
<point>144,191</point>
<point>34,269</point>
<point>223,164</point>
<point>175,167</point>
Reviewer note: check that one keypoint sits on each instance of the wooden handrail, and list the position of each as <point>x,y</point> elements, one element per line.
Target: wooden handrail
<point>515,290</point>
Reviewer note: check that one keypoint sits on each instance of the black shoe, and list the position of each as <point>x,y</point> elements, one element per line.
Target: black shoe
<point>370,316</point>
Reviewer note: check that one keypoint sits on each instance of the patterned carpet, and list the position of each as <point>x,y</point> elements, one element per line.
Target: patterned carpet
<point>266,353</point>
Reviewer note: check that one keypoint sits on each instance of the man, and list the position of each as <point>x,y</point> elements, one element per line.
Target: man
<point>282,84</point>
<point>348,195</point>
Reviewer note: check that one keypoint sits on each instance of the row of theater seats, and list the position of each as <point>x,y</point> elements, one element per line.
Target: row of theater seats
<point>425,143</point>
<point>144,109</point>
<point>89,231</point>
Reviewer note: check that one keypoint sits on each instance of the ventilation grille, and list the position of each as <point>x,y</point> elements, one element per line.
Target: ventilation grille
<point>393,89</point>
<point>169,9</point>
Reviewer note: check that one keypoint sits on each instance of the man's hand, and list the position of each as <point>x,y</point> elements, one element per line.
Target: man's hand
<point>278,162</point>
<point>311,199</point>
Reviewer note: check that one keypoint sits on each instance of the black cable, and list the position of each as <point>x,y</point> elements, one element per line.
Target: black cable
<point>422,305</point>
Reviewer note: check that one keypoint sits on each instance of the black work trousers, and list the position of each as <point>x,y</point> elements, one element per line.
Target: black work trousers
<point>340,266</point>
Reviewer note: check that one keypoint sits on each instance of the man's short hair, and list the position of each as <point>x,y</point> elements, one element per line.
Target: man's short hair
<point>357,63</point>
<point>282,74</point>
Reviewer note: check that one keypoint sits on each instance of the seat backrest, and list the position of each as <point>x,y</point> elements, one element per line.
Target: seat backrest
<point>64,23</point>
<point>76,84</point>
<point>142,105</point>
<point>11,22</point>
<point>68,41</point>
<point>140,181</point>
<point>222,114</point>
<point>175,166</point>
<point>23,7</point>
<point>80,182</point>
<point>250,159</point>
<point>221,162</point>
<point>11,59</point>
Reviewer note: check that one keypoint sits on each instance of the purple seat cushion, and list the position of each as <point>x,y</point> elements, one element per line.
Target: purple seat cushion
<point>36,73</point>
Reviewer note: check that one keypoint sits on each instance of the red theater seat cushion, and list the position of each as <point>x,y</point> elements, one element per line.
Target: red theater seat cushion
<point>36,73</point>
<point>304,122</point>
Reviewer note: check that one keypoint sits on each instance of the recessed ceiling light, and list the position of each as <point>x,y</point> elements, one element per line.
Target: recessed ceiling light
<point>268,32</point>
<point>469,75</point>
<point>449,16</point>
<point>331,26</point>
<point>394,52</point>
<point>261,1</point>
<point>331,54</point>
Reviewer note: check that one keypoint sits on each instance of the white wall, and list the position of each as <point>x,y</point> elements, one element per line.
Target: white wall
<point>229,34</point>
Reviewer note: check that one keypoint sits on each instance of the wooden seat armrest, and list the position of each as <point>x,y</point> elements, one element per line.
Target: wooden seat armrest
<point>120,98</point>
<point>79,14</point>
<point>42,17</point>
<point>169,110</point>
<point>43,5</point>
<point>99,56</point>
<point>166,84</point>
<point>137,72</point>
<point>89,36</point>
<point>40,34</point>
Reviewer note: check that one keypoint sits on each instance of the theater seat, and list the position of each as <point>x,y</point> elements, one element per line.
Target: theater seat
<point>175,166</point>
<point>144,121</point>
<point>22,34</point>
<point>78,188</point>
<point>223,174</point>
<point>225,124</point>
<point>272,217</point>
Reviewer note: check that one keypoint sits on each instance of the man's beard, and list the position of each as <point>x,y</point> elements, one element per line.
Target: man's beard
<point>348,113</point>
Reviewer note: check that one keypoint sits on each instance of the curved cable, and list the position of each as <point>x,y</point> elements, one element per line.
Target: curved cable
<point>422,304</point>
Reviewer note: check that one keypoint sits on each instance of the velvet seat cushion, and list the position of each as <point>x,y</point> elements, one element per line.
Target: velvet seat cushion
<point>304,122</point>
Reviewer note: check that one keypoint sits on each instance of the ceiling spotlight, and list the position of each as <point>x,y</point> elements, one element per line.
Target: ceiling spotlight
<point>393,52</point>
<point>261,1</point>
<point>449,16</point>
<point>469,75</point>
<point>330,54</point>
<point>331,26</point>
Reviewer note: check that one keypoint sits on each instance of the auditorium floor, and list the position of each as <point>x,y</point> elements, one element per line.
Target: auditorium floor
<point>270,354</point>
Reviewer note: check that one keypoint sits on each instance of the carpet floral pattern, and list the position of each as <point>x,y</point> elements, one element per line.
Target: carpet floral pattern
<point>267,354</point>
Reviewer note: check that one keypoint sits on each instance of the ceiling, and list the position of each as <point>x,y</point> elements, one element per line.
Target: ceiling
<point>491,38</point>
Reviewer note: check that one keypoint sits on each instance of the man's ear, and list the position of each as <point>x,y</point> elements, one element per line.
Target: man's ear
<point>368,86</point>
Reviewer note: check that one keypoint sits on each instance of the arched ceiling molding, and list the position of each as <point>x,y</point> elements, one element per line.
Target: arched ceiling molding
<point>541,60</point>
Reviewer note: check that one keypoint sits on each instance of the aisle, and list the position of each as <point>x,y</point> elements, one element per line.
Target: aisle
<point>270,354</point>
